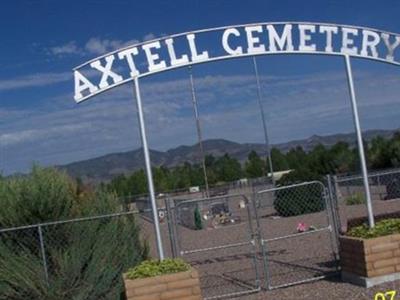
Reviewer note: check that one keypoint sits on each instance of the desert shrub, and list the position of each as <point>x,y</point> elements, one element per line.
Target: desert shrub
<point>357,198</point>
<point>298,200</point>
<point>85,259</point>
<point>151,268</point>
<point>44,195</point>
<point>198,223</point>
<point>382,228</point>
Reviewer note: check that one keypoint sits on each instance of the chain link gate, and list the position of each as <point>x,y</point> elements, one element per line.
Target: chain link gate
<point>297,234</point>
<point>217,236</point>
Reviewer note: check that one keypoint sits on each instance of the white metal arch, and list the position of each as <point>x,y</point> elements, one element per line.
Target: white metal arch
<point>345,55</point>
<point>230,56</point>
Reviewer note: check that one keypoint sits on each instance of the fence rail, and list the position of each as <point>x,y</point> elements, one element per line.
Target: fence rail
<point>349,196</point>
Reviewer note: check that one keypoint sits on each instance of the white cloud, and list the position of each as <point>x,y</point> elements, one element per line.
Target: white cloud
<point>149,36</point>
<point>296,107</point>
<point>95,46</point>
<point>34,80</point>
<point>68,48</point>
<point>99,46</point>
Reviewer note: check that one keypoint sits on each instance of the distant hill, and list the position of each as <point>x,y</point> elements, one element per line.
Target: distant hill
<point>108,166</point>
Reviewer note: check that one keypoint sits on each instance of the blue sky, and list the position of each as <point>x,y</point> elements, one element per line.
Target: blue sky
<point>303,95</point>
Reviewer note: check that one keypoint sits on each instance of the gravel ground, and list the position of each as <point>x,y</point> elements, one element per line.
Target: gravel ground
<point>301,257</point>
<point>325,290</point>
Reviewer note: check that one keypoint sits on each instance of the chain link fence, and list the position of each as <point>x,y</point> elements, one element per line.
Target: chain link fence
<point>348,191</point>
<point>271,237</point>
<point>75,259</point>
<point>246,186</point>
<point>297,234</point>
<point>217,236</point>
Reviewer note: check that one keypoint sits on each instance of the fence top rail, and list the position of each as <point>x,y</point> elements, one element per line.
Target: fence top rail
<point>291,186</point>
<point>68,221</point>
<point>181,202</point>
<point>370,175</point>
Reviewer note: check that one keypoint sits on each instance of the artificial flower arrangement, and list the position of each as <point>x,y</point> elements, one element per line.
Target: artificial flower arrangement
<point>302,227</point>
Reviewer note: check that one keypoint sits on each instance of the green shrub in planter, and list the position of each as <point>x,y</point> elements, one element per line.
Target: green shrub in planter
<point>382,228</point>
<point>298,200</point>
<point>151,268</point>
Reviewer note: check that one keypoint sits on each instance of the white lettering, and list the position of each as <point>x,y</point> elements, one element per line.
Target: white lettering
<point>370,43</point>
<point>305,37</point>
<point>128,54</point>
<point>348,42</point>
<point>106,70</point>
<point>153,57</point>
<point>193,50</point>
<point>390,47</point>
<point>82,84</point>
<point>225,43</point>
<point>285,38</point>
<point>252,40</point>
<point>171,51</point>
<point>329,30</point>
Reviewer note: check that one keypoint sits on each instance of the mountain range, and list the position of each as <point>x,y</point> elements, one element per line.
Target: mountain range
<point>106,167</point>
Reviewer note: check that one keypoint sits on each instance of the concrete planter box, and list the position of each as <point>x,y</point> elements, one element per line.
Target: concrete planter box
<point>368,262</point>
<point>178,286</point>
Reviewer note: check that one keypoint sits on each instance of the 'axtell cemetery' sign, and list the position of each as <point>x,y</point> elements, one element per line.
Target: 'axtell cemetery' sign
<point>175,51</point>
<point>186,49</point>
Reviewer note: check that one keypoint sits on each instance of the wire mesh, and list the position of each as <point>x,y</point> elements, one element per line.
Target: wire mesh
<point>350,197</point>
<point>217,235</point>
<point>74,259</point>
<point>236,241</point>
<point>297,237</point>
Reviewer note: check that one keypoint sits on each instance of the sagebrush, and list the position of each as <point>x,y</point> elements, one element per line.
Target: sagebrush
<point>85,259</point>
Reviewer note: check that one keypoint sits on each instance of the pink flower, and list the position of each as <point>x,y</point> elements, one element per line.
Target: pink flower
<point>301,227</point>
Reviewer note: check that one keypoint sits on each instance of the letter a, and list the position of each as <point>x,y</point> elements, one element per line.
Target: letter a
<point>82,84</point>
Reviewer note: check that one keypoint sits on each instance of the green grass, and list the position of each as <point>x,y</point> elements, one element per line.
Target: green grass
<point>382,228</point>
<point>357,198</point>
<point>151,268</point>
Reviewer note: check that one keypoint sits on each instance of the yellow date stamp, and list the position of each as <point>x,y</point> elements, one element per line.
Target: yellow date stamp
<point>388,295</point>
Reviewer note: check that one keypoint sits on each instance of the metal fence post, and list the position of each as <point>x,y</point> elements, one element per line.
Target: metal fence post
<point>261,242</point>
<point>333,235</point>
<point>333,205</point>
<point>379,186</point>
<point>171,227</point>
<point>43,253</point>
<point>255,236</point>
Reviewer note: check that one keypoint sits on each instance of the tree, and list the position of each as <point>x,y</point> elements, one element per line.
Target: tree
<point>394,150</point>
<point>342,158</point>
<point>161,178</point>
<point>297,158</point>
<point>279,160</point>
<point>254,166</point>
<point>305,166</point>
<point>228,169</point>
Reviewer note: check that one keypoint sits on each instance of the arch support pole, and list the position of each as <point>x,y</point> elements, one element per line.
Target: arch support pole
<point>264,122</point>
<point>199,133</point>
<point>148,169</point>
<point>360,145</point>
